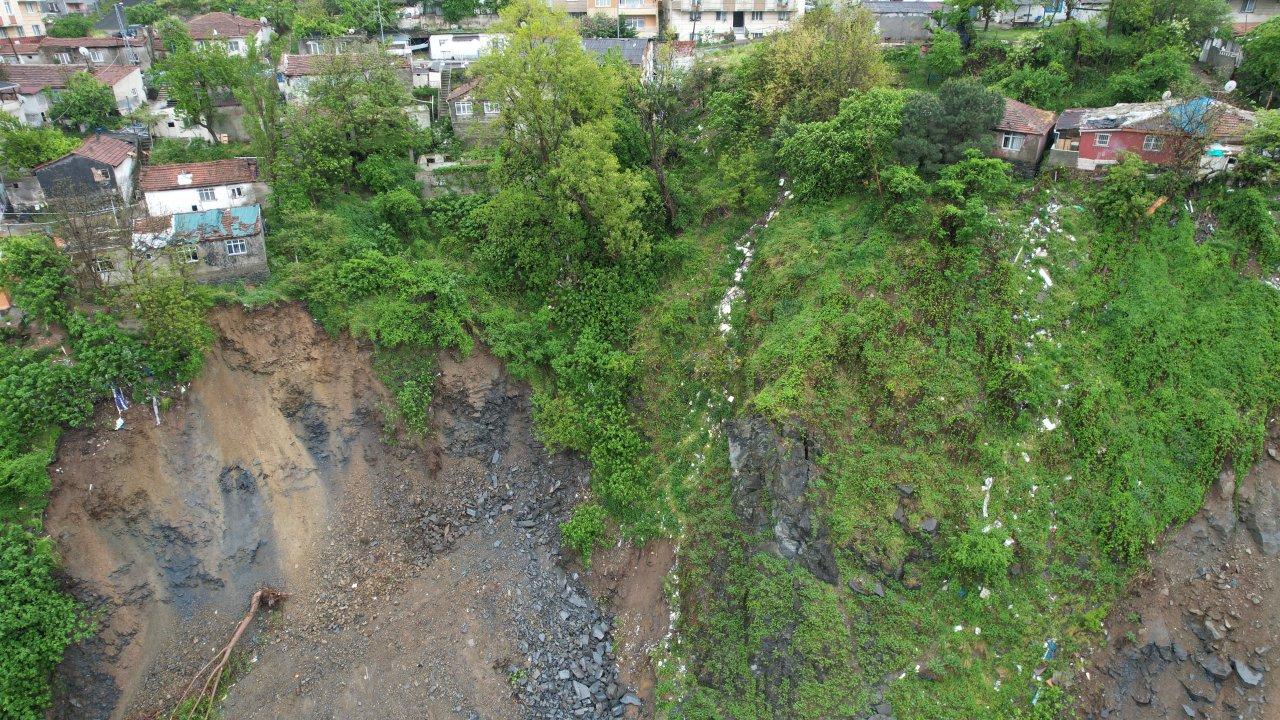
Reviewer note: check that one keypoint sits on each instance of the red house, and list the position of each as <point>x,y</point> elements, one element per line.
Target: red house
<point>1160,133</point>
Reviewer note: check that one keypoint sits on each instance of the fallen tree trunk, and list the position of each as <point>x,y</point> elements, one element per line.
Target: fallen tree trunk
<point>212,670</point>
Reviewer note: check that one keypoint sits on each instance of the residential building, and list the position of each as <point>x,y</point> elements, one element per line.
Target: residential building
<point>21,18</point>
<point>470,116</point>
<point>458,46</point>
<point>126,51</point>
<point>20,51</point>
<point>708,20</point>
<point>639,53</point>
<point>209,246</point>
<point>639,15</point>
<point>296,72</point>
<point>102,167</point>
<point>904,22</point>
<point>195,187</point>
<point>1248,14</point>
<point>1162,133</point>
<point>1022,135</point>
<point>68,7</point>
<point>37,84</point>
<point>232,31</point>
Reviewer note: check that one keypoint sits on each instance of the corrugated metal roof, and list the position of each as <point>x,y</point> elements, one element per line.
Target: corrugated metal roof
<point>217,224</point>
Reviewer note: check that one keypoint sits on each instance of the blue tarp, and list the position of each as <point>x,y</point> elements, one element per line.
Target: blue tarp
<point>231,222</point>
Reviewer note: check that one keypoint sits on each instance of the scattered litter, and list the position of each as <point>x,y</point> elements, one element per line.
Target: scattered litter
<point>985,593</point>
<point>986,490</point>
<point>1050,649</point>
<point>1044,275</point>
<point>1048,424</point>
<point>119,423</point>
<point>155,408</point>
<point>122,403</point>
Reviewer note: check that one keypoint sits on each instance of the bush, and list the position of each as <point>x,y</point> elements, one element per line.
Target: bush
<point>585,530</point>
<point>72,25</point>
<point>35,273</point>
<point>980,557</point>
<point>174,328</point>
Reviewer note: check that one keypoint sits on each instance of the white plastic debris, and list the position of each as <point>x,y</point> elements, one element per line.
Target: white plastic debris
<point>119,423</point>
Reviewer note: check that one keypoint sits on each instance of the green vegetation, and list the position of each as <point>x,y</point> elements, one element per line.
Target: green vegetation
<point>72,25</point>
<point>86,103</point>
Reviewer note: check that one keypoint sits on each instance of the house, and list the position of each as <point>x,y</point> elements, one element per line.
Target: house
<point>101,169</point>
<point>20,51</point>
<point>36,84</point>
<point>639,15</point>
<point>296,72</point>
<point>1022,135</point>
<point>210,246</point>
<point>95,51</point>
<point>1248,14</point>
<point>470,116</point>
<point>904,22</point>
<point>195,187</point>
<point>67,7</point>
<point>637,52</point>
<point>22,18</point>
<point>713,19</point>
<point>1159,132</point>
<point>458,46</point>
<point>232,31</point>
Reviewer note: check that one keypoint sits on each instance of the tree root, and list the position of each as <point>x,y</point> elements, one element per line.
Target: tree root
<point>212,671</point>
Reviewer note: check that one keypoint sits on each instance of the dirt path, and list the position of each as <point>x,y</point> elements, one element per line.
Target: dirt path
<point>1199,635</point>
<point>424,578</point>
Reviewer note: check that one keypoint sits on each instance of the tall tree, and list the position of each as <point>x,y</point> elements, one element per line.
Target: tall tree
<point>985,9</point>
<point>1260,71</point>
<point>24,147</point>
<point>937,129</point>
<point>663,114</point>
<point>196,80</point>
<point>259,95</point>
<point>85,102</point>
<point>74,25</point>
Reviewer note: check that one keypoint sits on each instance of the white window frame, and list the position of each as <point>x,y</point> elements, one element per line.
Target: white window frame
<point>1102,140</point>
<point>191,254</point>
<point>237,192</point>
<point>757,16</point>
<point>236,246</point>
<point>103,266</point>
<point>695,15</point>
<point>784,16</point>
<point>97,56</point>
<point>1248,6</point>
<point>207,194</point>
<point>63,58</point>
<point>1152,143</point>
<point>234,45</point>
<point>719,16</point>
<point>1012,141</point>
<point>462,107</point>
<point>603,3</point>
<point>492,108</point>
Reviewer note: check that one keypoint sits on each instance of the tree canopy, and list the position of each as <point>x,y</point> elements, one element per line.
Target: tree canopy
<point>85,102</point>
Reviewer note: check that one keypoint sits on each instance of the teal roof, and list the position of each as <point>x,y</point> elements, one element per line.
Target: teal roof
<point>213,224</point>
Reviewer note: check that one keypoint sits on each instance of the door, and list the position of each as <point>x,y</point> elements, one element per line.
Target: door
<point>739,19</point>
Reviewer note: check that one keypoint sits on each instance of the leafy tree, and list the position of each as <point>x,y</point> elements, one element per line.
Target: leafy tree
<point>1259,72</point>
<point>980,557</point>
<point>71,25</point>
<point>455,11</point>
<point>173,35</point>
<point>145,13</point>
<point>945,56</point>
<point>400,208</point>
<point>1195,19</point>
<point>937,129</point>
<point>1045,87</point>
<point>804,72</point>
<point>827,158</point>
<point>37,622</point>
<point>24,147</point>
<point>603,26</point>
<point>173,327</point>
<point>196,80</point>
<point>1124,196</point>
<point>85,102</point>
<point>985,9</point>
<point>371,16</point>
<point>1168,68</point>
<point>36,274</point>
<point>663,115</point>
<point>259,95</point>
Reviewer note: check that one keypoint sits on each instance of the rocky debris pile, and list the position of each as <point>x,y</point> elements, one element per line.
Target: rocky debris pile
<point>1198,636</point>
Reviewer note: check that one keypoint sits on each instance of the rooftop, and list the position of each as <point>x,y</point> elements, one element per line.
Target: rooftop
<point>632,49</point>
<point>89,42</point>
<point>1022,118</point>
<point>195,227</point>
<point>1193,116</point>
<point>462,90</point>
<point>156,178</point>
<point>905,8</point>
<point>310,65</point>
<point>32,79</point>
<point>215,25</point>
<point>102,148</point>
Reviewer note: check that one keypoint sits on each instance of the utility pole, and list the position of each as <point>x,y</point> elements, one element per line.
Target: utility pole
<point>382,36</point>
<point>133,55</point>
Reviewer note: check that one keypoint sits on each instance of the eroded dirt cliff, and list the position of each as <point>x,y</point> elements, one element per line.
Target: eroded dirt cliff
<point>424,577</point>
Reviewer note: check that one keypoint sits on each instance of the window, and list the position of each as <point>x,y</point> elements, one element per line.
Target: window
<point>784,16</point>
<point>63,58</point>
<point>462,107</point>
<point>635,23</point>
<point>1102,140</point>
<point>97,56</point>
<point>233,45</point>
<point>237,192</point>
<point>103,265</point>
<point>491,108</point>
<point>313,47</point>
<point>191,254</point>
<point>1248,6</point>
<point>22,33</point>
<point>695,16</point>
<point>757,15</point>
<point>1011,142</point>
<point>237,246</point>
<point>602,3</point>
<point>173,124</point>
<point>1153,143</point>
<point>207,194</point>
<point>719,16</point>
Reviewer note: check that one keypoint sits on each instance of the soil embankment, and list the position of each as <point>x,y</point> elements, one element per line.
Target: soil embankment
<point>424,578</point>
<point>1198,636</point>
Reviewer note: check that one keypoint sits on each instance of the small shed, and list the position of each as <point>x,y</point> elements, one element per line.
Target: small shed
<point>1022,135</point>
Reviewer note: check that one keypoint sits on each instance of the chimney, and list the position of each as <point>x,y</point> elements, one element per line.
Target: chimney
<point>184,178</point>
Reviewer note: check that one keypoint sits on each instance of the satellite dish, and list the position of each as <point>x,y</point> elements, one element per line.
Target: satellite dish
<point>83,51</point>
<point>262,20</point>
<point>1166,95</point>
<point>1230,86</point>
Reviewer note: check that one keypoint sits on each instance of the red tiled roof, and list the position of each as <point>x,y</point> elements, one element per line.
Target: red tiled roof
<point>23,46</point>
<point>109,150</point>
<point>214,25</point>
<point>88,42</point>
<point>462,90</point>
<point>1022,118</point>
<point>1243,28</point>
<point>31,79</point>
<point>308,65</point>
<point>155,224</point>
<point>203,174</point>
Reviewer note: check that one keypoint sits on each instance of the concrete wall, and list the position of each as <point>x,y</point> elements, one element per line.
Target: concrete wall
<point>212,264</point>
<point>448,46</point>
<point>168,202</point>
<point>903,28</point>
<point>708,27</point>
<point>1024,160</point>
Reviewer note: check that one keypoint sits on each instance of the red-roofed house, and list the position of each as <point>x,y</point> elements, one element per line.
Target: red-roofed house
<point>36,85</point>
<point>96,51</point>
<point>297,71</point>
<point>101,166</point>
<point>233,31</point>
<point>1022,135</point>
<point>193,187</point>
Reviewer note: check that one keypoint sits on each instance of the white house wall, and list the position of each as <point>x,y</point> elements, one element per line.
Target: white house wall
<point>168,202</point>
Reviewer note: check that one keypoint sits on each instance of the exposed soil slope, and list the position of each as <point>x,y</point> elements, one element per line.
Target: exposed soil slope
<point>1198,636</point>
<point>424,578</point>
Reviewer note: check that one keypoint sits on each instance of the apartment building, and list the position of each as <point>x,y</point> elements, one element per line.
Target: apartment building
<point>709,20</point>
<point>21,18</point>
<point>640,15</point>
